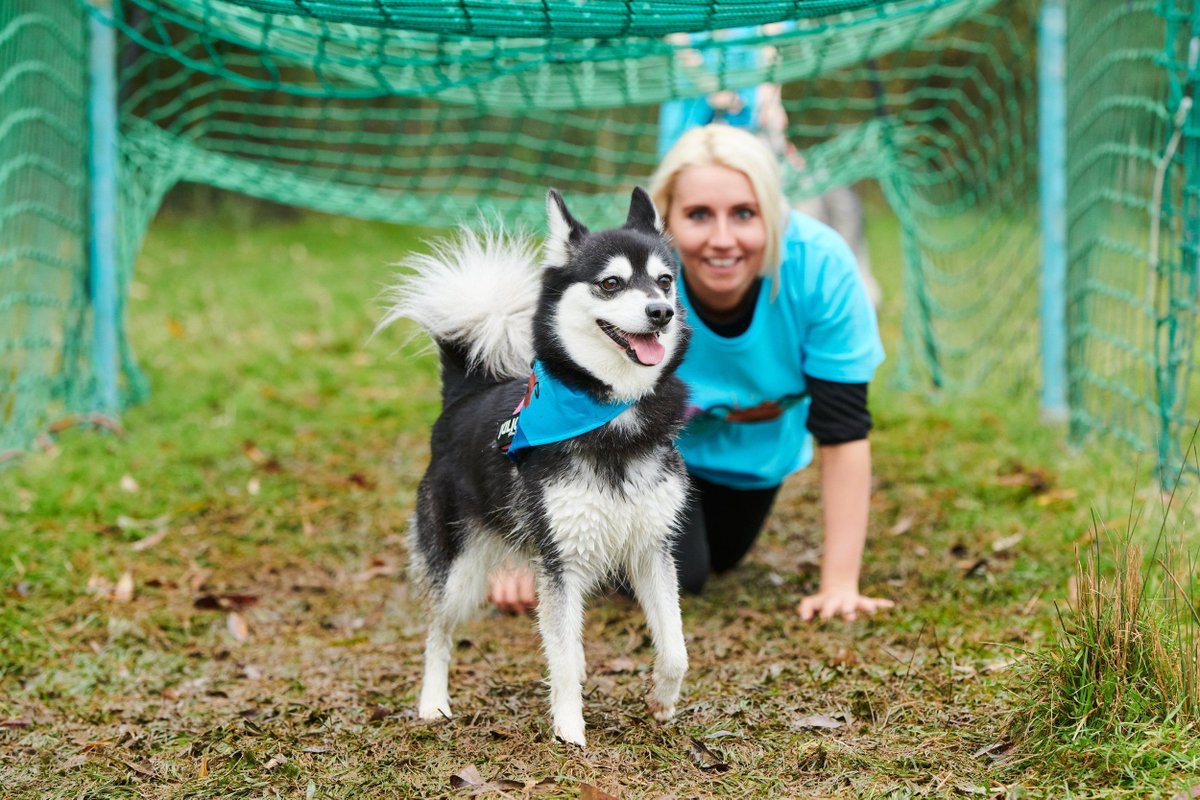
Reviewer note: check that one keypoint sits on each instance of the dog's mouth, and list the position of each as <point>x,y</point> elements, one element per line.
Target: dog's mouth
<point>642,348</point>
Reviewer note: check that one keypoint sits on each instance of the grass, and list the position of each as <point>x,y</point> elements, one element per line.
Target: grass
<point>265,645</point>
<point>1119,683</point>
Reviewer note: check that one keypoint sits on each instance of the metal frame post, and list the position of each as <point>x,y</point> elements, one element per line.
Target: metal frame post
<point>102,202</point>
<point>1052,180</point>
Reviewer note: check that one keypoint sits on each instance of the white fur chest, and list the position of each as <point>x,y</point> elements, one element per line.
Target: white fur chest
<point>597,525</point>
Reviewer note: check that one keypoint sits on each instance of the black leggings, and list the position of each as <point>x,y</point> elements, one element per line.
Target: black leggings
<point>720,526</point>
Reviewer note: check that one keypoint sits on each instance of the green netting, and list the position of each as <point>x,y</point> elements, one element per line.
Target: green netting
<point>596,18</point>
<point>44,329</point>
<point>1133,217</point>
<point>427,112</point>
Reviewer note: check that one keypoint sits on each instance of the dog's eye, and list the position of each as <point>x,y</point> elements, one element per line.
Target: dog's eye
<point>664,282</point>
<point>610,284</point>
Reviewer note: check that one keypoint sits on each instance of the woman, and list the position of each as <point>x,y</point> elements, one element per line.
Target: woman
<point>784,343</point>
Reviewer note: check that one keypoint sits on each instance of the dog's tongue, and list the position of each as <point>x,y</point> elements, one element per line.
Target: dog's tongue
<point>646,346</point>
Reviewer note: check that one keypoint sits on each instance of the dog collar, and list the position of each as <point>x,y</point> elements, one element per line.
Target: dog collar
<point>552,412</point>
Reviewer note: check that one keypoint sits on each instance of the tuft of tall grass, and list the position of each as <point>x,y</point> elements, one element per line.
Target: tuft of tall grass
<point>1127,654</point>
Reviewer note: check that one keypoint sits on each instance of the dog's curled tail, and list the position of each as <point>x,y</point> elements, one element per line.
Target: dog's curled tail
<point>475,295</point>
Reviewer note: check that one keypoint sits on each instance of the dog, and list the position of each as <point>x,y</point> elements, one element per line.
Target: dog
<point>573,466</point>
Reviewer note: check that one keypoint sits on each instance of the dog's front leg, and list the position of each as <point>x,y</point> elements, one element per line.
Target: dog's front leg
<point>656,586</point>
<point>560,620</point>
<point>435,695</point>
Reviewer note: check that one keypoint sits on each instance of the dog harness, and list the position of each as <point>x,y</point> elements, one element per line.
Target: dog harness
<point>552,412</point>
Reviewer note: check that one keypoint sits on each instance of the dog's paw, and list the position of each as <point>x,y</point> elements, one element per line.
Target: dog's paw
<point>434,710</point>
<point>571,733</point>
<point>660,711</point>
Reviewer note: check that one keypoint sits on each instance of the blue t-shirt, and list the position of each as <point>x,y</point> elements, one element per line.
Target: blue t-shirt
<point>748,398</point>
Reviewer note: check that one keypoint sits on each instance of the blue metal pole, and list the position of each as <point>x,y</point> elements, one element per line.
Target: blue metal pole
<point>102,199</point>
<point>1052,177</point>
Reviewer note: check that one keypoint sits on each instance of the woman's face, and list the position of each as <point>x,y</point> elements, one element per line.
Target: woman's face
<point>719,232</point>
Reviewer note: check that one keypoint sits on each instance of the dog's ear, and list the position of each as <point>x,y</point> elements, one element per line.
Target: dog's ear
<point>643,216</point>
<point>565,231</point>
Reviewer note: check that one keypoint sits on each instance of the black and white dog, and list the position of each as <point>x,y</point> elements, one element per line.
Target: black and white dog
<point>571,467</point>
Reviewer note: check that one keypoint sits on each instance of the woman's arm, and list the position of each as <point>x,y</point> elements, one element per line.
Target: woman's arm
<point>845,498</point>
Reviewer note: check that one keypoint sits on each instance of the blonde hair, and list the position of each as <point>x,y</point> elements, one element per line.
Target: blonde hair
<point>735,148</point>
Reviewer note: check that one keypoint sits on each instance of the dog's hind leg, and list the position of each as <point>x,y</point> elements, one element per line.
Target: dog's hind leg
<point>560,620</point>
<point>452,603</point>
<point>656,586</point>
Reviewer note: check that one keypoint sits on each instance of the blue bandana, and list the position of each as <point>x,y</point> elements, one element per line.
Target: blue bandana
<point>552,412</point>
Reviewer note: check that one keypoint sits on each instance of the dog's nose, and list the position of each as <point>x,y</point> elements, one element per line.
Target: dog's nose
<point>660,313</point>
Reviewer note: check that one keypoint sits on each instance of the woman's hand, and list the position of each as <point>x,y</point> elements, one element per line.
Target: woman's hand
<point>512,589</point>
<point>844,602</point>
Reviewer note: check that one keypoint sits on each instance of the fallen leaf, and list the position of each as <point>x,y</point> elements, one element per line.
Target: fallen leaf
<point>466,777</point>
<point>202,772</point>
<point>469,778</point>
<point>129,484</point>
<point>705,758</point>
<point>237,626</point>
<point>1006,542</point>
<point>276,760</point>
<point>253,487</point>
<point>145,770</point>
<point>149,541</point>
<point>1188,794</point>
<point>379,712</point>
<point>902,526</point>
<point>817,721</point>
<point>16,722</point>
<point>315,750</point>
<point>620,664</point>
<point>589,792</point>
<point>123,593</point>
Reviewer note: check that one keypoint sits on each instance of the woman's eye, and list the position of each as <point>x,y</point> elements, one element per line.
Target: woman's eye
<point>664,282</point>
<point>698,214</point>
<point>745,213</point>
<point>610,284</point>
